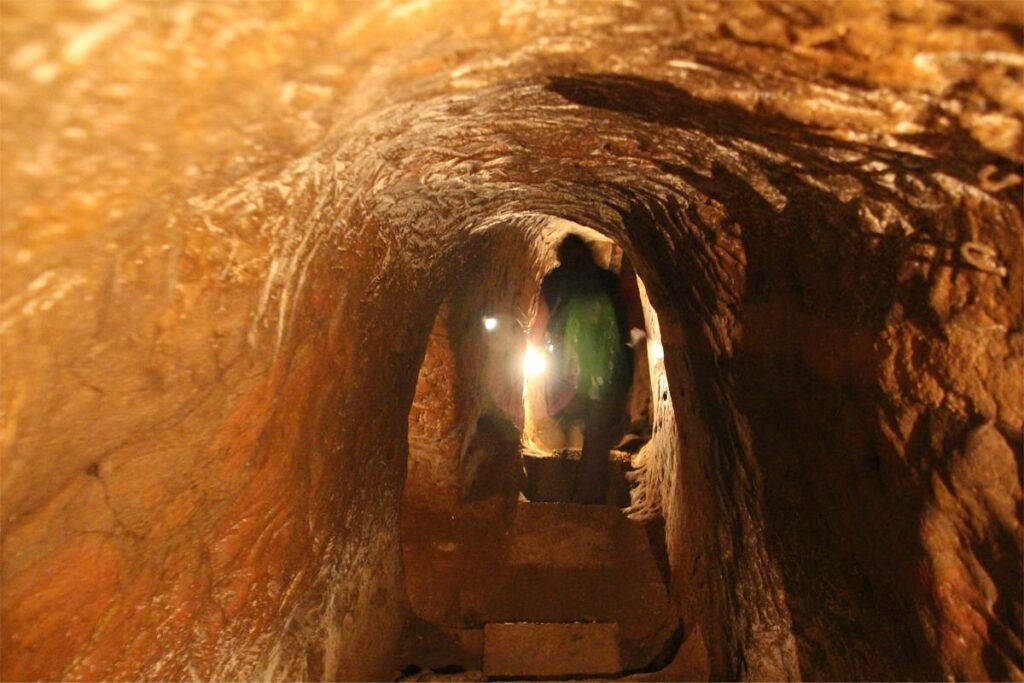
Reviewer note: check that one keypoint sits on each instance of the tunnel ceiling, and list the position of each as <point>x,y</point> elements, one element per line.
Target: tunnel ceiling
<point>227,228</point>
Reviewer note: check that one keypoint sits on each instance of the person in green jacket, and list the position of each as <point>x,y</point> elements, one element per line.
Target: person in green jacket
<point>584,325</point>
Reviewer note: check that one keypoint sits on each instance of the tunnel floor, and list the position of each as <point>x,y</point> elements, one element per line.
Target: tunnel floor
<point>506,587</point>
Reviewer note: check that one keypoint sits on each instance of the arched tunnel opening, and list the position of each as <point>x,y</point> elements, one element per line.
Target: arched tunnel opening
<point>255,424</point>
<point>506,572</point>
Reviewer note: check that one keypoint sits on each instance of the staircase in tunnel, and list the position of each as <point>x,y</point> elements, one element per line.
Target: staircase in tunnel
<point>510,588</point>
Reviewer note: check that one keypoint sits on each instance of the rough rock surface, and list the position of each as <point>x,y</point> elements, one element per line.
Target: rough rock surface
<point>228,227</point>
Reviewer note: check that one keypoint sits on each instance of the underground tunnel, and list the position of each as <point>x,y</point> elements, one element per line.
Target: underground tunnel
<point>270,277</point>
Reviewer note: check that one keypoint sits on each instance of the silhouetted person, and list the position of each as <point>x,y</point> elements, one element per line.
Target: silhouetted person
<point>584,325</point>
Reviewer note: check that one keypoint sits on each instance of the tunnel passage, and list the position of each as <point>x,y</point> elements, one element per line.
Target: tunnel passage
<point>491,529</point>
<point>473,376</point>
<point>228,229</point>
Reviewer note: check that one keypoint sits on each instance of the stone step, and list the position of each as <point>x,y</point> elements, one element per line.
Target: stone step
<point>552,479</point>
<point>567,536</point>
<point>576,563</point>
<point>551,649</point>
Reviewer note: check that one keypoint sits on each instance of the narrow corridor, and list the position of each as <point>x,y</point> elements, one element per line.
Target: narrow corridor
<point>273,402</point>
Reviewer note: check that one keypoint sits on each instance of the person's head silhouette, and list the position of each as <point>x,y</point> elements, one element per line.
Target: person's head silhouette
<point>573,252</point>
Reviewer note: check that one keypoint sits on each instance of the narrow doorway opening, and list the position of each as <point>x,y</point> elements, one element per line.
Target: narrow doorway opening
<point>499,557</point>
<point>555,415</point>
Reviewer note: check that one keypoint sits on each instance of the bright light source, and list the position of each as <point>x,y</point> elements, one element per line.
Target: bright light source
<point>490,324</point>
<point>534,362</point>
<point>657,350</point>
